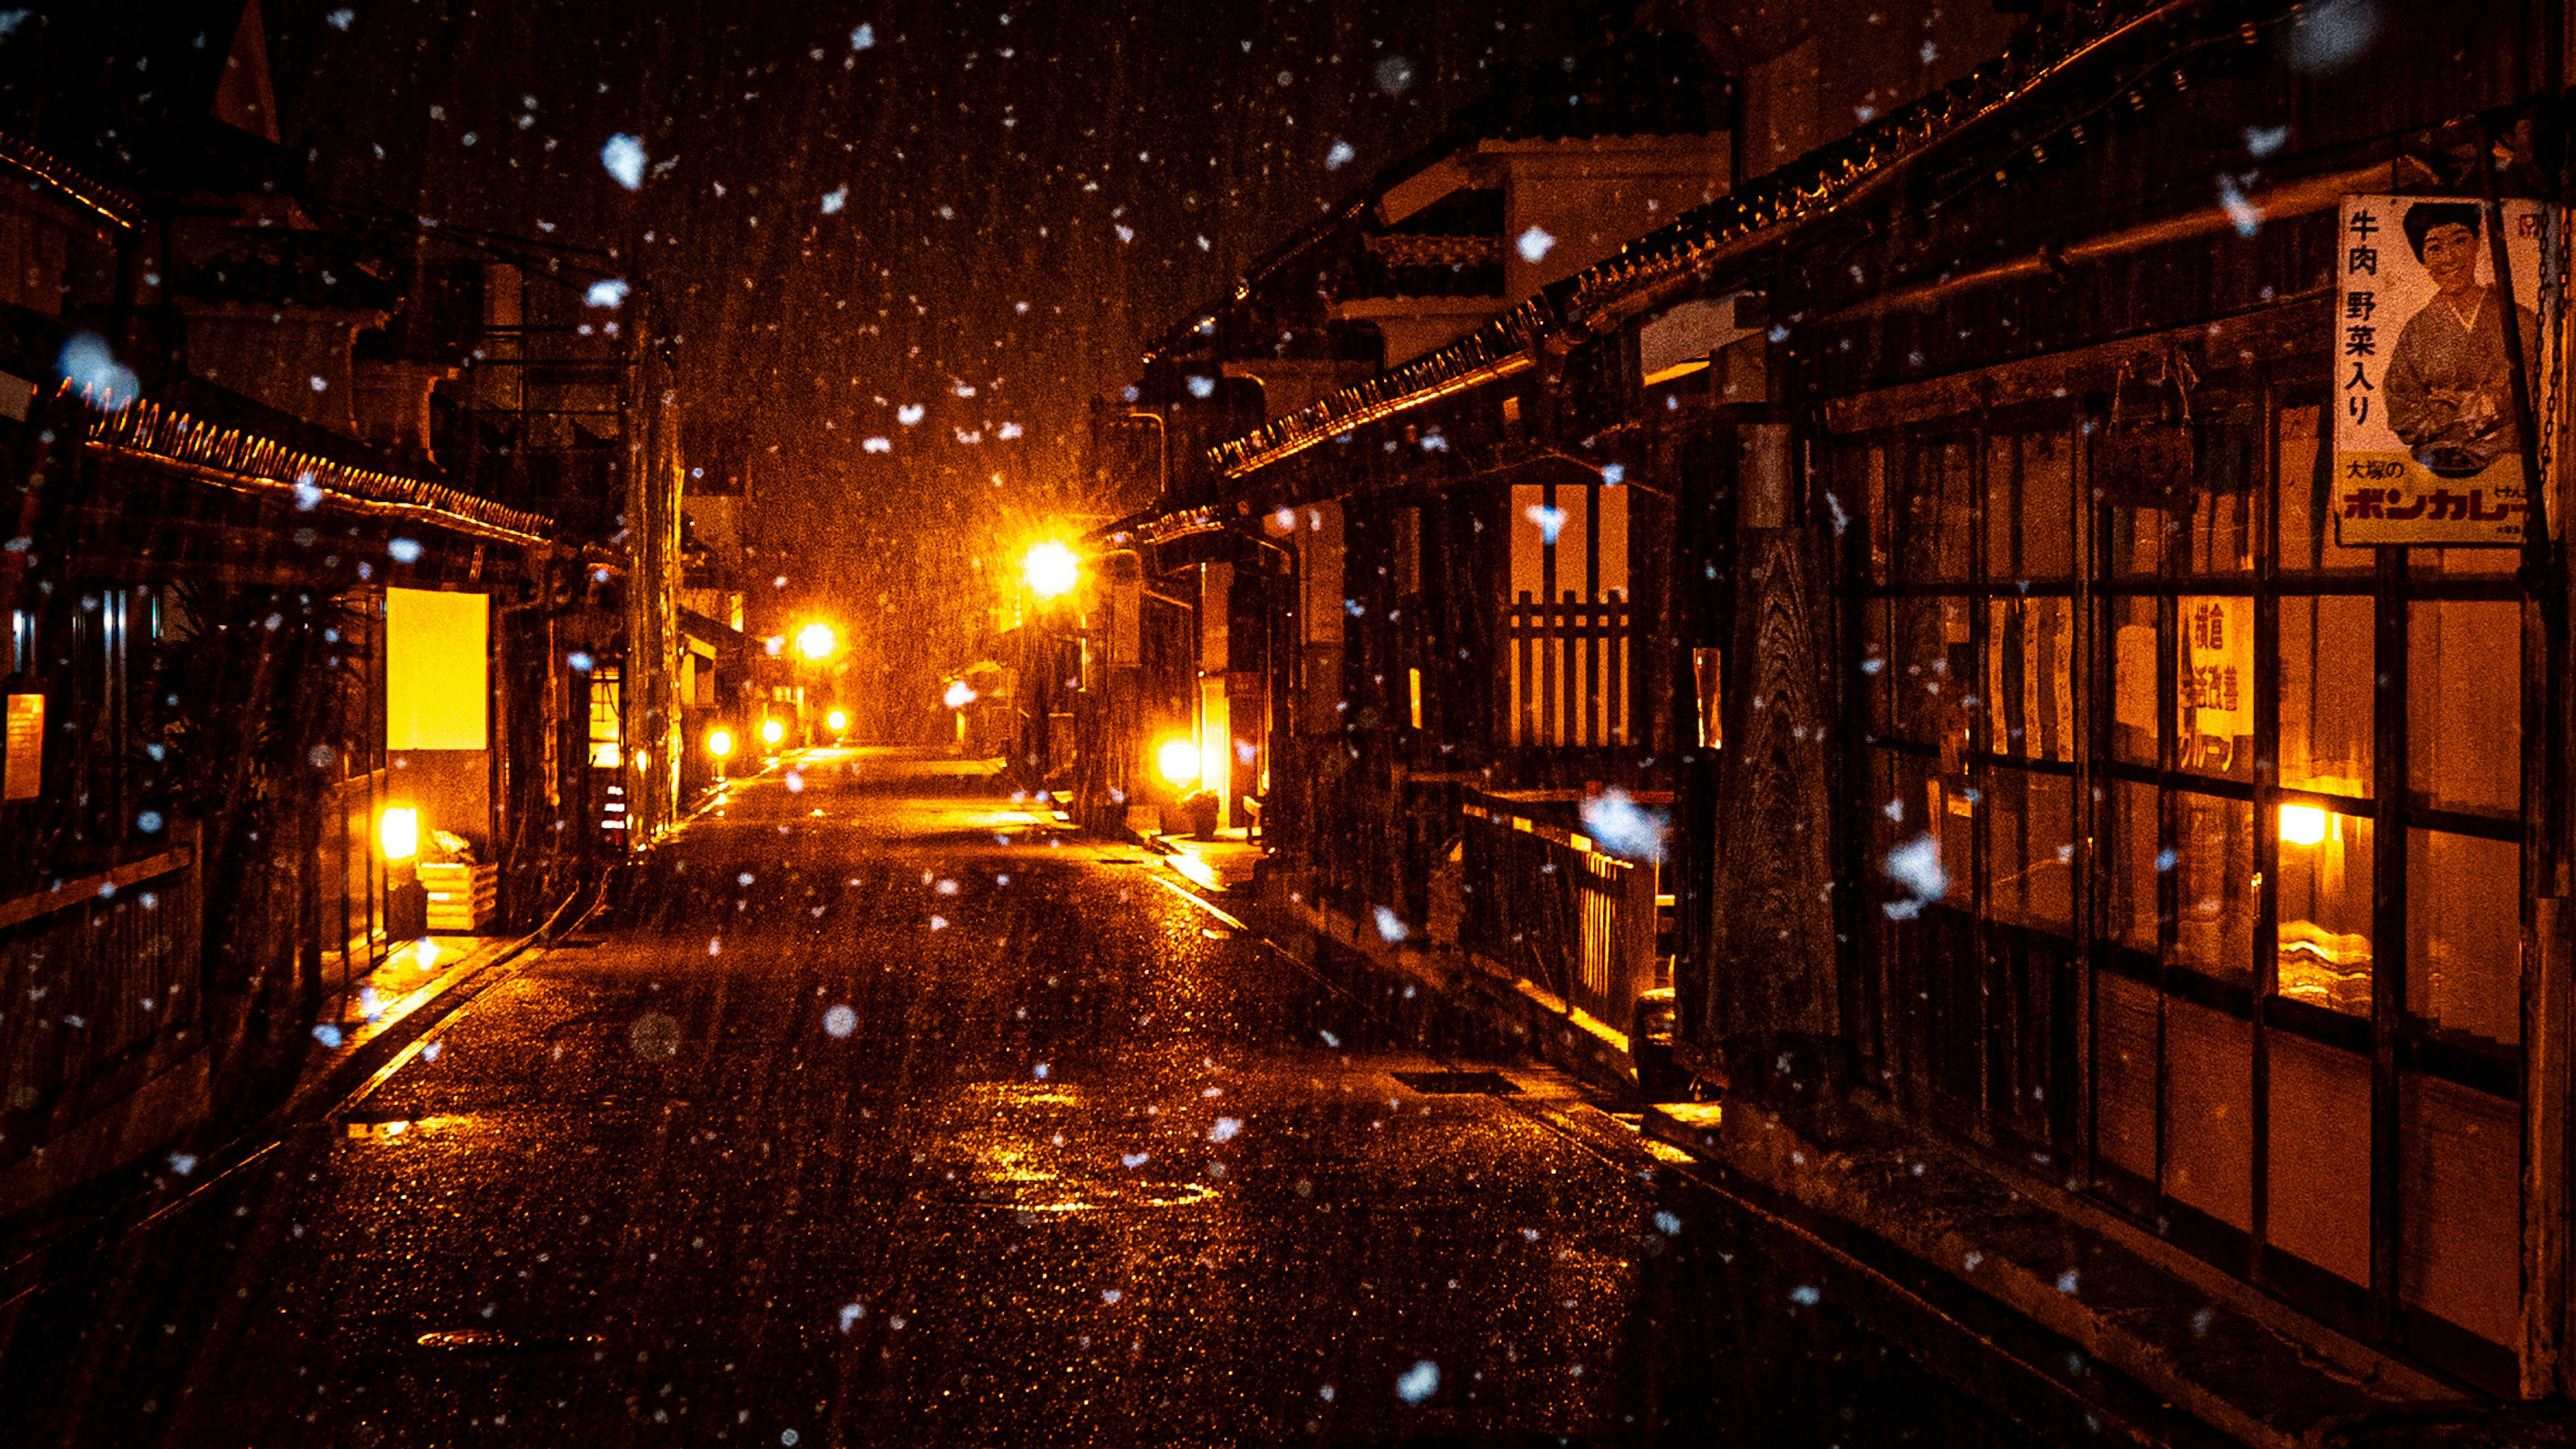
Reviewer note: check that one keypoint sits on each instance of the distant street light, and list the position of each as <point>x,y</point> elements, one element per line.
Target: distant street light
<point>960,694</point>
<point>771,732</point>
<point>1179,759</point>
<point>815,641</point>
<point>720,743</point>
<point>839,720</point>
<point>1052,570</point>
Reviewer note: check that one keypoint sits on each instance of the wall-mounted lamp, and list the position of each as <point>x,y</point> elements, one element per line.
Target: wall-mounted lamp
<point>398,833</point>
<point>2302,825</point>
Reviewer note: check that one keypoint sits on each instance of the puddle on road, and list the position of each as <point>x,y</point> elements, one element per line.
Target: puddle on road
<point>1032,1192</point>
<point>493,1341</point>
<point>387,1129</point>
<point>1031,1151</point>
<point>1443,1084</point>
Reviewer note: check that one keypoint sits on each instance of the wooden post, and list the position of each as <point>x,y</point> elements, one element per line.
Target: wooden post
<point>1774,966</point>
<point>2544,955</point>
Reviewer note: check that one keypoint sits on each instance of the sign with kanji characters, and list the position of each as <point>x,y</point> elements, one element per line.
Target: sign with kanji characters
<point>2214,679</point>
<point>22,777</point>
<point>2427,450</point>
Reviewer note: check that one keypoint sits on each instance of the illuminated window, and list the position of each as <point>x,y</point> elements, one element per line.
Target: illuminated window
<point>607,709</point>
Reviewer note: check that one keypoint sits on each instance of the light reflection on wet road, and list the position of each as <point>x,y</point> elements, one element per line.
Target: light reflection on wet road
<point>875,1117</point>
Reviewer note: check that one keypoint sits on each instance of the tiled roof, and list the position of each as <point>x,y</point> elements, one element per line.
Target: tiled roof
<point>1756,216</point>
<point>249,460</point>
<point>101,200</point>
<point>1497,349</point>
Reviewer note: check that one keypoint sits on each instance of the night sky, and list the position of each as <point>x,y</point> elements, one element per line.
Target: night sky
<point>856,210</point>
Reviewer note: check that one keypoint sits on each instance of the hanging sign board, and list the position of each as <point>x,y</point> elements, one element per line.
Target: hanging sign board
<point>2427,451</point>
<point>23,776</point>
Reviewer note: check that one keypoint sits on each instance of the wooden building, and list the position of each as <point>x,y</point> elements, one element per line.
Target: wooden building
<point>1958,523</point>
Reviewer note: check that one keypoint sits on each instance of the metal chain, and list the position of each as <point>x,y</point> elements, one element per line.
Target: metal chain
<point>2553,342</point>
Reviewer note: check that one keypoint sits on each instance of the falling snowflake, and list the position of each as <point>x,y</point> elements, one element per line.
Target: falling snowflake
<point>1418,1382</point>
<point>624,157</point>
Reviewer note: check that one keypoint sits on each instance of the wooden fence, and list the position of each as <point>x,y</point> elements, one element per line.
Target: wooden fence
<point>1550,905</point>
<point>93,973</point>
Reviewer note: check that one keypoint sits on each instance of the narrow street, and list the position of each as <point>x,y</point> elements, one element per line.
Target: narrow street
<point>882,1111</point>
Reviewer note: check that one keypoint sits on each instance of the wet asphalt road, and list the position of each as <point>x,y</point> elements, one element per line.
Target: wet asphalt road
<point>883,1112</point>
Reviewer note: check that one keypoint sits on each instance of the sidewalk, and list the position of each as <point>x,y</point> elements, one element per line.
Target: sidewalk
<point>1225,864</point>
<point>361,1030</point>
<point>2213,1346</point>
<point>357,1025</point>
<point>2221,1350</point>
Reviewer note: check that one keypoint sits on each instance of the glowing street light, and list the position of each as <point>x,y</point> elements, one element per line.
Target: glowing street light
<point>838,719</point>
<point>720,743</point>
<point>815,641</point>
<point>960,694</point>
<point>771,732</point>
<point>1052,570</point>
<point>1179,759</point>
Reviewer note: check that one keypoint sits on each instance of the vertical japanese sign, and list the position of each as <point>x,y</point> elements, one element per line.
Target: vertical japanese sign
<point>2214,683</point>
<point>2426,447</point>
<point>23,775</point>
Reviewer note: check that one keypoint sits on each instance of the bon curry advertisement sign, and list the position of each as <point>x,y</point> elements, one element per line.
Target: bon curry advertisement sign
<point>2427,448</point>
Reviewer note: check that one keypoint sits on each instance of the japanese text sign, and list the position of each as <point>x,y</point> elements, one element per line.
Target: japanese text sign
<point>24,774</point>
<point>2427,449</point>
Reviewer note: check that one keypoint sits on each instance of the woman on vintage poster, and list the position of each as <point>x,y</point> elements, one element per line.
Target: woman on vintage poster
<point>2449,386</point>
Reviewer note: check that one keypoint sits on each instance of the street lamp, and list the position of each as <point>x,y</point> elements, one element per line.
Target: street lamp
<point>720,743</point>
<point>839,720</point>
<point>771,732</point>
<point>815,641</point>
<point>1052,570</point>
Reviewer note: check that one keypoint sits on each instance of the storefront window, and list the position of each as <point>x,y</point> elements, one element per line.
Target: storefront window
<point>2464,706</point>
<point>2030,850</point>
<point>2326,693</point>
<point>2031,520</point>
<point>2464,934</point>
<point>2324,905</point>
<point>2139,539</point>
<point>1935,522</point>
<point>2136,862</point>
<point>2029,685</point>
<point>2133,680</point>
<point>2222,514</point>
<point>2004,684</point>
<point>1929,677</point>
<point>1870,463</point>
<point>2213,869</point>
